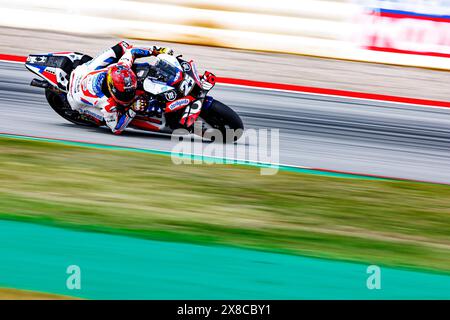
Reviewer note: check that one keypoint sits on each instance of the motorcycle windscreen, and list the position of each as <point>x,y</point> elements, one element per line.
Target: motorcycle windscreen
<point>169,73</point>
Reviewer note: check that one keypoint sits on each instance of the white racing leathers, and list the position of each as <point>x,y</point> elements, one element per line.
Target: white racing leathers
<point>86,95</point>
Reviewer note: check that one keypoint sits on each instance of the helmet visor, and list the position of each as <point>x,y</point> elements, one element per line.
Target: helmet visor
<point>125,96</point>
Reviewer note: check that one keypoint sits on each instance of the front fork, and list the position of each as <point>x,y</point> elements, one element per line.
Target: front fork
<point>192,112</point>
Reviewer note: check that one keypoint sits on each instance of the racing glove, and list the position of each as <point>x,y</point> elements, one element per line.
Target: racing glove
<point>159,50</point>
<point>140,104</point>
<point>149,107</point>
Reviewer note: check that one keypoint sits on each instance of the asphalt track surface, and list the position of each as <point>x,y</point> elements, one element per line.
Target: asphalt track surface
<point>332,133</point>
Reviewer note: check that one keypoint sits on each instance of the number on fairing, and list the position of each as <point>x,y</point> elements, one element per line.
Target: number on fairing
<point>187,85</point>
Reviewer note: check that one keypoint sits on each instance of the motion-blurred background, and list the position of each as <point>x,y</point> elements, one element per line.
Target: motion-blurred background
<point>387,47</point>
<point>406,33</point>
<point>367,30</point>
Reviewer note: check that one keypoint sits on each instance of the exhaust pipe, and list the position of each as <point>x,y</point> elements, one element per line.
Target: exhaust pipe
<point>39,83</point>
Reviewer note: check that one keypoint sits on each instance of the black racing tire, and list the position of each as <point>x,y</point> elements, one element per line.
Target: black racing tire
<point>221,117</point>
<point>64,110</point>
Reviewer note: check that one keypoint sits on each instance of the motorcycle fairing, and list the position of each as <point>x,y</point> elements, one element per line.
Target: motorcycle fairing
<point>55,67</point>
<point>172,106</point>
<point>148,123</point>
<point>156,87</point>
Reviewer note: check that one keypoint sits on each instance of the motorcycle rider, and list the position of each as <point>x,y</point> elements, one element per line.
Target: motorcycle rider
<point>105,87</point>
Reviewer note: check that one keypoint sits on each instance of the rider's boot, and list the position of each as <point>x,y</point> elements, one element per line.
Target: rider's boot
<point>117,121</point>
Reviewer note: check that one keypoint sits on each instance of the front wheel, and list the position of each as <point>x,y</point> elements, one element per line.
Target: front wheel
<point>221,117</point>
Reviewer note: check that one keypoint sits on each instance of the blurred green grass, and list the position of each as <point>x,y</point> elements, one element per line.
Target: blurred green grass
<point>16,294</point>
<point>393,223</point>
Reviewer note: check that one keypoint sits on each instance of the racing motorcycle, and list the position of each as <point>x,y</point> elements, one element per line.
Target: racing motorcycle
<point>169,83</point>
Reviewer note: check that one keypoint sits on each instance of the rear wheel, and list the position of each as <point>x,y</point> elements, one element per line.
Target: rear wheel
<point>221,117</point>
<point>63,109</point>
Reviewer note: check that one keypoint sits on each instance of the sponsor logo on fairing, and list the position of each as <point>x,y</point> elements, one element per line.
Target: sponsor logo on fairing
<point>186,66</point>
<point>36,59</point>
<point>170,95</point>
<point>179,103</point>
